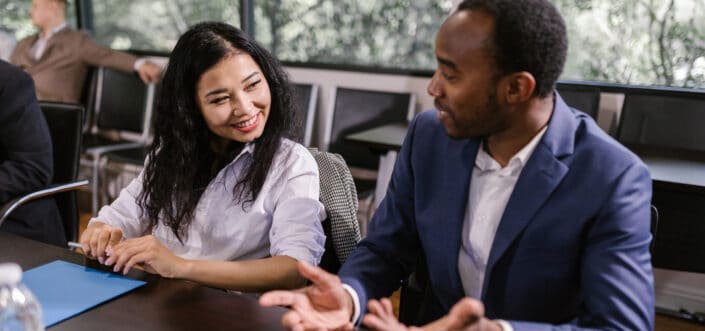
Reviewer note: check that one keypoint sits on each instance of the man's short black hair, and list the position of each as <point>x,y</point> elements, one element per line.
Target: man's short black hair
<point>529,35</point>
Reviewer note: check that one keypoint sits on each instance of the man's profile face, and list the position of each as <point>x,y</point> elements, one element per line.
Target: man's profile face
<point>464,85</point>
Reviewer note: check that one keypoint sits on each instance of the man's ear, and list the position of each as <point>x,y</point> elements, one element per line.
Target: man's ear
<point>519,87</point>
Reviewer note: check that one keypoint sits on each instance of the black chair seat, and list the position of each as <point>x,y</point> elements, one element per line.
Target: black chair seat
<point>92,140</point>
<point>134,156</point>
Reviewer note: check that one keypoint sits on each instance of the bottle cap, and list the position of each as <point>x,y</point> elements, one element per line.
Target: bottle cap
<point>10,273</point>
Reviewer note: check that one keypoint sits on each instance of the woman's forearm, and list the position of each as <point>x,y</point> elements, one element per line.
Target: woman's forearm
<point>278,272</point>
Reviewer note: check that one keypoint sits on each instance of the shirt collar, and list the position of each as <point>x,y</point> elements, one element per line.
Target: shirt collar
<point>484,161</point>
<point>55,30</point>
<point>248,149</point>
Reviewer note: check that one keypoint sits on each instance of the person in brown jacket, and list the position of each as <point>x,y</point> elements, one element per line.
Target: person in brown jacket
<point>58,57</point>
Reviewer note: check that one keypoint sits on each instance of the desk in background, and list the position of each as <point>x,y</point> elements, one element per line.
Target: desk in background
<point>162,304</point>
<point>385,140</point>
<point>679,196</point>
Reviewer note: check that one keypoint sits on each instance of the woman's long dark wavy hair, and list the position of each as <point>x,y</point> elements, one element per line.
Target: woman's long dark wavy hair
<point>181,160</point>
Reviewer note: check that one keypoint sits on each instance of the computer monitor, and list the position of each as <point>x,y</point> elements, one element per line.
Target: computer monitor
<point>585,98</point>
<point>306,97</point>
<point>355,110</point>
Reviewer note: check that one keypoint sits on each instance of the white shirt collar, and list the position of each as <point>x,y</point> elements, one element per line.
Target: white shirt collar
<point>55,30</point>
<point>484,161</point>
<point>249,148</point>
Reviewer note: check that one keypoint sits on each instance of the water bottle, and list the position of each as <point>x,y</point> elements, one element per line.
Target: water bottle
<point>19,309</point>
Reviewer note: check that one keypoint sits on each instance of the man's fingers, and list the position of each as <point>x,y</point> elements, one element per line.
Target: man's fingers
<point>463,314</point>
<point>374,307</point>
<point>278,298</point>
<point>291,319</point>
<point>387,305</point>
<point>318,276</point>
<point>375,322</point>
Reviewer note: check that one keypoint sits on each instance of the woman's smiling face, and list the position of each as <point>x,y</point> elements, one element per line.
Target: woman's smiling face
<point>234,98</point>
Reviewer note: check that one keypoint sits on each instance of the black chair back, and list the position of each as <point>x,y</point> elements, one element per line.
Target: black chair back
<point>663,119</point>
<point>121,102</point>
<point>306,97</point>
<point>358,110</point>
<point>65,122</point>
<point>581,97</point>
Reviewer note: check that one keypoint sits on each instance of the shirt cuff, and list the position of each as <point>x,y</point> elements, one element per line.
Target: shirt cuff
<point>138,64</point>
<point>356,303</point>
<point>505,325</point>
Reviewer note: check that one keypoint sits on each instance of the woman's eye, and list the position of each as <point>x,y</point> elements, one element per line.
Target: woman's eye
<point>253,85</point>
<point>218,101</point>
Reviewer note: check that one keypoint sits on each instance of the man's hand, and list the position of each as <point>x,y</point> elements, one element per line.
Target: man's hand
<point>466,315</point>
<point>325,305</point>
<point>149,72</point>
<point>381,317</point>
<point>97,237</point>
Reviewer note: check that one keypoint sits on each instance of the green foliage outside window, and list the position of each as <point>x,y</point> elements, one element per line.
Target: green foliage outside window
<point>637,42</point>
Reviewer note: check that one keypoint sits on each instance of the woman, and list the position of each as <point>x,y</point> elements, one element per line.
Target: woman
<point>225,199</point>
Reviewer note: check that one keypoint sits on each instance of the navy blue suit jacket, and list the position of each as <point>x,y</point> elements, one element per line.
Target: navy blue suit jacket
<point>26,162</point>
<point>572,247</point>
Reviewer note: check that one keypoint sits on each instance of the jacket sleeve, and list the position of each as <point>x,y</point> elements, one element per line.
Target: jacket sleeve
<point>388,253</point>
<point>97,55</point>
<point>26,162</point>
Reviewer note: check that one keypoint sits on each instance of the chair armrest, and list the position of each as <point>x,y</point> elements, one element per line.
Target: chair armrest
<point>11,205</point>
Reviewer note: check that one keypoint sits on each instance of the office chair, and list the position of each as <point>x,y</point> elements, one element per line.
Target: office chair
<point>654,227</point>
<point>669,119</point>
<point>118,168</point>
<point>65,123</point>
<point>306,96</point>
<point>122,120</point>
<point>339,197</point>
<point>582,97</point>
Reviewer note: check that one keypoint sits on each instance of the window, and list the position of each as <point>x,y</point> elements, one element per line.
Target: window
<point>155,25</point>
<point>392,33</point>
<point>15,18</point>
<point>639,42</point>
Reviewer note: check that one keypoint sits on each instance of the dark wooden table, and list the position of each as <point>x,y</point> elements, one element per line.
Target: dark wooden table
<point>161,304</point>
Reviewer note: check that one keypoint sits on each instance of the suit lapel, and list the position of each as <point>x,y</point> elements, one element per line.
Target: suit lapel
<point>541,175</point>
<point>456,182</point>
<point>51,43</point>
<point>26,51</point>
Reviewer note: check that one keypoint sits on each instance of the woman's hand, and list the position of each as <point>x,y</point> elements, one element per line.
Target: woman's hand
<point>97,237</point>
<point>149,253</point>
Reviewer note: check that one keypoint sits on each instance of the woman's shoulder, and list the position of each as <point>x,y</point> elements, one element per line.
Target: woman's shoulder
<point>294,156</point>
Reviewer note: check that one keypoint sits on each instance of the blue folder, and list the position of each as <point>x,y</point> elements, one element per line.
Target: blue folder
<point>66,289</point>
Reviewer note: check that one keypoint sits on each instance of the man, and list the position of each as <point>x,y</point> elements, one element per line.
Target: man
<point>58,57</point>
<point>26,162</point>
<point>517,201</point>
